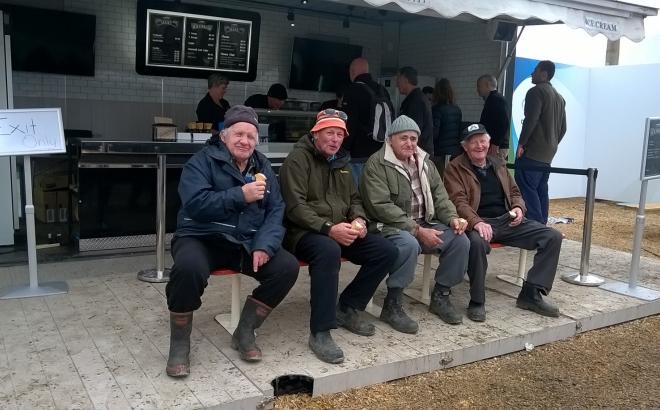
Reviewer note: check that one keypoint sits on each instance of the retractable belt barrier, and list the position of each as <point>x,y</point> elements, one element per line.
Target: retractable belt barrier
<point>583,277</point>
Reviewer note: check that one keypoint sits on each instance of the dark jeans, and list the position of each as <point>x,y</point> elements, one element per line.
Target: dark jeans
<point>196,257</point>
<point>356,169</point>
<point>374,253</point>
<point>528,235</point>
<point>534,189</point>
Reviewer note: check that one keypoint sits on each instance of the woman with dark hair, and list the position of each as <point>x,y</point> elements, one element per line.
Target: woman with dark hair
<point>447,119</point>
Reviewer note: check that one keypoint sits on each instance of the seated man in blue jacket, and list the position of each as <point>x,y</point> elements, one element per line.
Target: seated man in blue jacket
<point>229,218</point>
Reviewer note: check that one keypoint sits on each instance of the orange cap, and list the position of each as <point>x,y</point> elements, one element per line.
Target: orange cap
<point>330,118</point>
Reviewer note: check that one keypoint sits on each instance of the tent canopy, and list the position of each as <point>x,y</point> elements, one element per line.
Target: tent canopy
<point>614,19</point>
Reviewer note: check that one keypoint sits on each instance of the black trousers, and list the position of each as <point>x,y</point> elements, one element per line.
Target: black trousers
<point>196,257</point>
<point>374,253</point>
<point>528,235</point>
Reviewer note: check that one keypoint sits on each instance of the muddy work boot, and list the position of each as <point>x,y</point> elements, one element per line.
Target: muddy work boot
<point>354,321</point>
<point>325,348</point>
<point>178,362</point>
<point>442,306</point>
<point>476,312</point>
<point>530,299</point>
<point>253,315</point>
<point>393,313</point>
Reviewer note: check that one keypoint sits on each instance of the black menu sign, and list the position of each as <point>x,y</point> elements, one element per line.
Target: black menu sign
<point>188,40</point>
<point>234,46</point>
<point>201,36</point>
<point>165,34</point>
<point>651,157</point>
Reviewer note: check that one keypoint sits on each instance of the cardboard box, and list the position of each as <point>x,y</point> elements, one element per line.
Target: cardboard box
<point>163,129</point>
<point>51,182</point>
<point>45,205</point>
<point>62,200</point>
<point>164,132</point>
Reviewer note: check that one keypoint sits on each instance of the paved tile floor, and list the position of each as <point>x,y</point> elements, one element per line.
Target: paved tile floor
<point>104,344</point>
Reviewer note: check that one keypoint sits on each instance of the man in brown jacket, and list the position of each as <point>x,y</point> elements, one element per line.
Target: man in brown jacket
<point>487,196</point>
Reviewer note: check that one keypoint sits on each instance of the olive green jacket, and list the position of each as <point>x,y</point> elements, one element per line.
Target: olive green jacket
<point>387,193</point>
<point>316,190</point>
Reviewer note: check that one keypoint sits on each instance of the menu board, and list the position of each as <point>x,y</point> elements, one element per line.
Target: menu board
<point>165,39</point>
<point>651,155</point>
<point>201,39</point>
<point>234,46</point>
<point>186,40</point>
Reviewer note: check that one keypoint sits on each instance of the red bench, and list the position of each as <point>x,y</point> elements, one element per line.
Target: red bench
<point>230,320</point>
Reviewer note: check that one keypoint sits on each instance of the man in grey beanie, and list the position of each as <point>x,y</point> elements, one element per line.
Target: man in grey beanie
<point>403,194</point>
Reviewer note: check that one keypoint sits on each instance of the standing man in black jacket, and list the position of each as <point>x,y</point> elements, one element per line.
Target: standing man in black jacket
<point>358,104</point>
<point>494,116</point>
<point>416,106</point>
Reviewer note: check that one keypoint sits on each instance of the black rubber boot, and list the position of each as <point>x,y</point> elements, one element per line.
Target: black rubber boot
<point>530,299</point>
<point>178,362</point>
<point>442,306</point>
<point>253,315</point>
<point>325,348</point>
<point>353,320</point>
<point>476,312</point>
<point>393,313</point>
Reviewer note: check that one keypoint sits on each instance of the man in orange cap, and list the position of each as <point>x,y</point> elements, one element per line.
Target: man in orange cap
<point>325,221</point>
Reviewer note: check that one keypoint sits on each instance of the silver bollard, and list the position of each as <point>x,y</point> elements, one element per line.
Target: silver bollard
<point>631,289</point>
<point>160,274</point>
<point>583,277</point>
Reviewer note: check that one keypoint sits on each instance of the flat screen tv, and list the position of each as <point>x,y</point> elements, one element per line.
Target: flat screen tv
<point>51,41</point>
<point>321,65</point>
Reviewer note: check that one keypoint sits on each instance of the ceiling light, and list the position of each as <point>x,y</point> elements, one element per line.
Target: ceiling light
<point>291,18</point>
<point>303,2</point>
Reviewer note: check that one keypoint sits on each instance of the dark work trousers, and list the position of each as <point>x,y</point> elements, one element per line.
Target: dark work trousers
<point>452,253</point>
<point>534,189</point>
<point>195,257</point>
<point>374,253</point>
<point>528,235</point>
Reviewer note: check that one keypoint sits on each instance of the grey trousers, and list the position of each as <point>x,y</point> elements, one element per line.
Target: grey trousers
<point>453,253</point>
<point>403,269</point>
<point>528,235</point>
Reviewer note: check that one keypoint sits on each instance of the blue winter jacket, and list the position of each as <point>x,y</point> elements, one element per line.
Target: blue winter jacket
<point>212,202</point>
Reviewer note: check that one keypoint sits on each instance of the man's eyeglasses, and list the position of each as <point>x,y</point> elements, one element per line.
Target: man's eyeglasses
<point>333,113</point>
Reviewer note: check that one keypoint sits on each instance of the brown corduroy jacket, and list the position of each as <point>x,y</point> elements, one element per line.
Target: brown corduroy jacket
<point>464,188</point>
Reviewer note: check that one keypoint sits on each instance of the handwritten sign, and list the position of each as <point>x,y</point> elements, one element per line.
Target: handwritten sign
<point>31,131</point>
<point>651,155</point>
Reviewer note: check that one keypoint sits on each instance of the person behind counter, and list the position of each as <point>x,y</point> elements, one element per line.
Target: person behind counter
<point>230,217</point>
<point>213,106</point>
<point>274,100</point>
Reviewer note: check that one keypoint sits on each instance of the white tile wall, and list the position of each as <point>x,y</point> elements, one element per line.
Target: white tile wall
<point>87,99</point>
<point>117,103</point>
<point>458,51</point>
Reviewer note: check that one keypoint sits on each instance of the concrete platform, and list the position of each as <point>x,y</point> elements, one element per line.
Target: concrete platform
<point>105,343</point>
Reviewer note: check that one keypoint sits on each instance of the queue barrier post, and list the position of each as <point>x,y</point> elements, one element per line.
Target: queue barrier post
<point>583,277</point>
<point>160,274</point>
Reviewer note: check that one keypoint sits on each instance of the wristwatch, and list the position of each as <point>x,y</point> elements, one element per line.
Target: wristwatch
<point>325,229</point>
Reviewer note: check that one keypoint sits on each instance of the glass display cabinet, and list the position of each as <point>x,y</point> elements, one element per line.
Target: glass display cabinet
<point>284,125</point>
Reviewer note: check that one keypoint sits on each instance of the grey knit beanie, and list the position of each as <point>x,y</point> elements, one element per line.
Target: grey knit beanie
<point>403,123</point>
